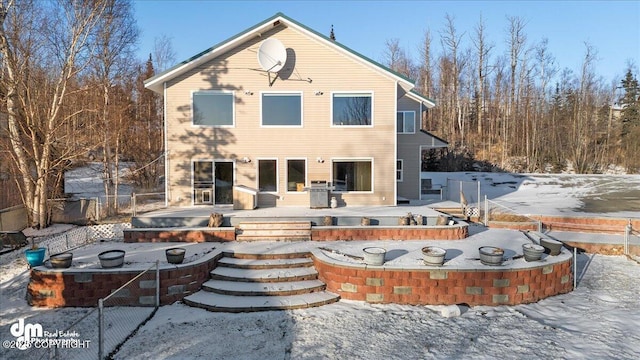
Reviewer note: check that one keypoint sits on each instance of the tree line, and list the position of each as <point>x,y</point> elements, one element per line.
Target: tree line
<point>518,110</point>
<point>72,91</point>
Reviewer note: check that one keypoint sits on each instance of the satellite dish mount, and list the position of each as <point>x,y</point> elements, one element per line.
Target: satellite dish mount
<point>272,56</point>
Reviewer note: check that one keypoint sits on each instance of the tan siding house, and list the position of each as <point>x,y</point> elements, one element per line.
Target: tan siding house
<point>320,112</point>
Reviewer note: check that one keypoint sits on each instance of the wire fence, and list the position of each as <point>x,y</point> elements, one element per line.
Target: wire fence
<point>493,211</point>
<point>119,319</point>
<point>632,241</point>
<point>72,239</point>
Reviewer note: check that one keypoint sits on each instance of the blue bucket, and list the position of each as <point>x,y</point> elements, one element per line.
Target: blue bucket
<point>35,257</point>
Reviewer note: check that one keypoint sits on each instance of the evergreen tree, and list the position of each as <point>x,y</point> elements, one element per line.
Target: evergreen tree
<point>630,103</point>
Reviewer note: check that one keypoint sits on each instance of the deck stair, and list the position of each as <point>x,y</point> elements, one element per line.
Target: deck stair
<point>274,230</point>
<point>262,282</point>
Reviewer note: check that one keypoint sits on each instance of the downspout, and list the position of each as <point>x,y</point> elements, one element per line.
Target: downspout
<point>420,156</point>
<point>167,190</point>
<point>395,148</point>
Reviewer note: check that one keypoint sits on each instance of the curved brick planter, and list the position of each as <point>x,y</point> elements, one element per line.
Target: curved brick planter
<point>83,287</point>
<point>446,286</point>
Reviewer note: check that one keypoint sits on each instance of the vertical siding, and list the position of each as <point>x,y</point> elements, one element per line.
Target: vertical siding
<point>238,71</point>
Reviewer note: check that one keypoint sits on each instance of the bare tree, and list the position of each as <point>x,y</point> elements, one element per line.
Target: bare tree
<point>44,45</point>
<point>516,43</point>
<point>482,53</point>
<point>116,34</point>
<point>164,55</point>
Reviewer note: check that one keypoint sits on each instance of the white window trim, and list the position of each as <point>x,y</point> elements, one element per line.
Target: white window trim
<point>352,92</point>
<point>401,170</point>
<point>403,121</point>
<point>284,93</point>
<point>348,159</point>
<point>233,108</point>
<point>306,174</point>
<point>258,175</point>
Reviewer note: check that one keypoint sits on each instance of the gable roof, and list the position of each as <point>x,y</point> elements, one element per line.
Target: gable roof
<point>156,83</point>
<point>435,142</point>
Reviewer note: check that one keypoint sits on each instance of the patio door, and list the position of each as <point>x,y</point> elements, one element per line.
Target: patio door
<point>212,182</point>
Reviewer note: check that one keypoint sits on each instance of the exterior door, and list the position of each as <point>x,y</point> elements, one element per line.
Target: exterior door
<point>223,182</point>
<point>203,182</point>
<point>212,182</point>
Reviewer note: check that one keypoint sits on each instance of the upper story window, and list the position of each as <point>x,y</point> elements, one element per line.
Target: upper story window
<point>406,122</point>
<point>352,109</point>
<point>281,109</point>
<point>213,108</point>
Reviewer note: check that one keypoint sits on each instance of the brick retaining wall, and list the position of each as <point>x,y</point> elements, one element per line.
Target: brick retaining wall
<point>57,288</point>
<point>179,235</point>
<point>447,286</point>
<point>332,233</point>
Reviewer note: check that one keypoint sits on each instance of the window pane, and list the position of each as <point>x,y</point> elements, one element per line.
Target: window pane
<point>351,109</point>
<point>212,109</point>
<point>352,175</point>
<point>409,121</point>
<point>400,122</point>
<point>296,177</point>
<point>282,109</point>
<point>267,175</point>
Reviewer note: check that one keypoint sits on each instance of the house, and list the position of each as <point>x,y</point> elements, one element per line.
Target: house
<point>280,108</point>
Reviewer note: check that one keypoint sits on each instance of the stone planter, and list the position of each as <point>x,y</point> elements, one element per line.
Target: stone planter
<point>490,255</point>
<point>175,255</point>
<point>35,257</point>
<point>61,261</point>
<point>374,255</point>
<point>532,252</point>
<point>433,255</point>
<point>553,247</point>
<point>111,258</point>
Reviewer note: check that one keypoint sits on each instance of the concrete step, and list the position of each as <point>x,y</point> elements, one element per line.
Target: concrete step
<point>272,238</point>
<point>275,225</point>
<point>265,256</point>
<point>274,231</point>
<point>229,303</point>
<point>239,288</point>
<point>239,263</point>
<point>264,275</point>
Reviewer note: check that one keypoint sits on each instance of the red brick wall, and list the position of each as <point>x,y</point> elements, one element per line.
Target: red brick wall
<point>52,288</point>
<point>440,286</point>
<point>390,233</point>
<point>173,235</point>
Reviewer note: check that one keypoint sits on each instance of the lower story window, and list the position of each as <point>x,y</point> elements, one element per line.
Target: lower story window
<point>296,175</point>
<point>352,175</point>
<point>267,175</point>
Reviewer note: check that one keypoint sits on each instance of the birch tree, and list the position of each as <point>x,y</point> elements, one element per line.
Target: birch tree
<point>43,45</point>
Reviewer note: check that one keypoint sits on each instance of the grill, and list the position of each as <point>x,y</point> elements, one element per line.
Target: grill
<point>319,194</point>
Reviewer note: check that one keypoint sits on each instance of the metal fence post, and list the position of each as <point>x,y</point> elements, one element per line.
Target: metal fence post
<point>486,211</point>
<point>133,204</point>
<point>575,267</point>
<point>100,329</point>
<point>627,237</point>
<point>157,284</point>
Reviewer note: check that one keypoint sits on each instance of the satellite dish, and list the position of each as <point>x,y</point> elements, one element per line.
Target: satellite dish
<point>272,55</point>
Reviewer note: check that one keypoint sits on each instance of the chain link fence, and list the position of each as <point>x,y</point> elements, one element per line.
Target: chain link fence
<point>632,242</point>
<point>119,319</point>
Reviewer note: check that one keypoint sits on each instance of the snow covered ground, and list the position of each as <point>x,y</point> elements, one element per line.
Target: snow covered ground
<point>598,320</point>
